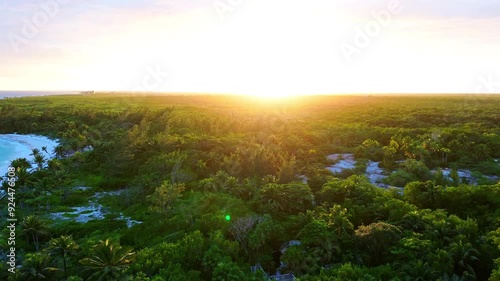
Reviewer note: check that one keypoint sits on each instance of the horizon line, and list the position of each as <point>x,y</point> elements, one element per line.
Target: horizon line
<point>153,93</point>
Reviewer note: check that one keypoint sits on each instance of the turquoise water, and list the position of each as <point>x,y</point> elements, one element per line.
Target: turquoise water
<point>7,153</point>
<point>13,146</point>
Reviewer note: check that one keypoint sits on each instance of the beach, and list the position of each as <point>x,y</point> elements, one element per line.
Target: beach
<point>13,146</point>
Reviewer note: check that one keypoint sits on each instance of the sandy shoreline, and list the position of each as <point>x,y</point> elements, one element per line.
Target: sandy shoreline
<point>20,146</point>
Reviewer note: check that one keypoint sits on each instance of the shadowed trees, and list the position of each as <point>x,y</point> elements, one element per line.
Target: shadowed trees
<point>375,240</point>
<point>289,198</point>
<point>37,267</point>
<point>107,261</point>
<point>62,247</point>
<point>34,228</point>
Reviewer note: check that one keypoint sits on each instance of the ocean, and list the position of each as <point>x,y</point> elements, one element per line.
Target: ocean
<point>17,94</point>
<point>7,154</point>
<point>13,146</point>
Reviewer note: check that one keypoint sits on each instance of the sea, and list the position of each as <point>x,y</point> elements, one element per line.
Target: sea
<point>13,146</point>
<point>7,154</point>
<point>17,94</point>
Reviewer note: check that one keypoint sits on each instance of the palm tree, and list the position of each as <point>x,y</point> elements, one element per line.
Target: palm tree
<point>44,149</point>
<point>464,255</point>
<point>107,261</point>
<point>419,271</point>
<point>35,152</point>
<point>274,196</point>
<point>59,151</point>
<point>33,227</point>
<point>39,161</point>
<point>328,251</point>
<point>62,247</point>
<point>338,220</point>
<point>20,163</point>
<point>37,267</point>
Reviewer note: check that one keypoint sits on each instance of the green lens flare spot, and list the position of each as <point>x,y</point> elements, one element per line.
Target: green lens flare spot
<point>228,217</point>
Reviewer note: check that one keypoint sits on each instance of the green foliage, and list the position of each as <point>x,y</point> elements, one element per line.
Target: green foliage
<point>37,266</point>
<point>399,178</point>
<point>35,229</point>
<point>227,271</point>
<point>495,275</point>
<point>63,247</point>
<point>107,261</point>
<point>289,198</point>
<point>370,149</point>
<point>350,272</point>
<point>375,239</point>
<point>186,162</point>
<point>422,194</point>
<point>165,196</point>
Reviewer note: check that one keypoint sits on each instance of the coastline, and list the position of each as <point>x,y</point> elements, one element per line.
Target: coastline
<point>20,94</point>
<point>21,146</point>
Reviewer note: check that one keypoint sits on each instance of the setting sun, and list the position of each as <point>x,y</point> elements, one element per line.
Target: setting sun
<point>268,95</point>
<point>266,49</point>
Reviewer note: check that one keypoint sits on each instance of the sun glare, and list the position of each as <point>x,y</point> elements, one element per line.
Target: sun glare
<point>271,95</point>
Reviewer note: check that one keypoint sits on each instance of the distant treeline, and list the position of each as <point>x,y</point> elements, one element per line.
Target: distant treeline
<point>222,183</point>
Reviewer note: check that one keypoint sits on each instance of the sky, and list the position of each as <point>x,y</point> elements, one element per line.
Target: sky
<point>256,47</point>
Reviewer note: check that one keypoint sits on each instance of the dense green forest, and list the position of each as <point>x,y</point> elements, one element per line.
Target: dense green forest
<point>216,185</point>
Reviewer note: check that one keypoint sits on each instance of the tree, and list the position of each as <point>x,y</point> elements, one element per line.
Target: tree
<point>37,267</point>
<point>220,182</point>
<point>338,221</point>
<point>375,240</point>
<point>39,161</point>
<point>20,163</point>
<point>228,270</point>
<point>33,227</point>
<point>287,171</point>
<point>22,166</point>
<point>464,256</point>
<point>494,238</point>
<point>389,158</point>
<point>240,229</point>
<point>265,235</point>
<point>495,275</point>
<point>274,195</point>
<point>35,152</point>
<point>440,178</point>
<point>317,236</point>
<point>422,194</point>
<point>455,178</point>
<point>44,149</point>
<point>59,151</point>
<point>315,233</point>
<point>417,168</point>
<point>299,261</point>
<point>107,261</point>
<point>287,198</point>
<point>62,247</point>
<point>165,195</point>
<point>370,149</point>
<point>419,270</point>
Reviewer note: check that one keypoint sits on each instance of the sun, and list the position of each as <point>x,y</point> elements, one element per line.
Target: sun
<point>271,94</point>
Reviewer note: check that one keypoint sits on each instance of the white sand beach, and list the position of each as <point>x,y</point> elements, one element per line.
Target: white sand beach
<point>13,146</point>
